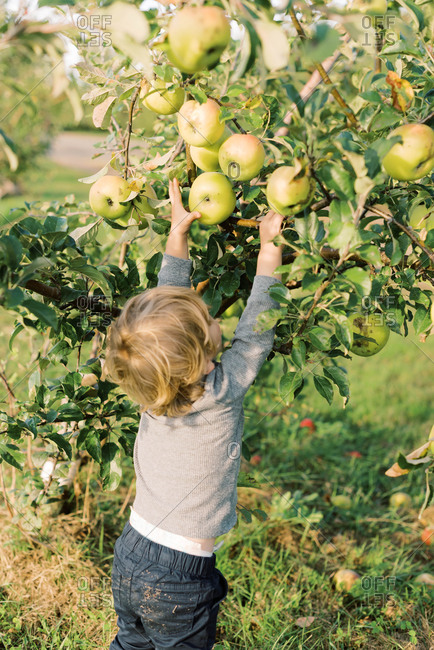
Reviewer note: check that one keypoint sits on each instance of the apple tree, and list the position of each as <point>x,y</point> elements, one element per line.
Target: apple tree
<point>320,111</point>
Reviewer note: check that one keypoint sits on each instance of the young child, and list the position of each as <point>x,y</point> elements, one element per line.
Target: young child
<point>161,351</point>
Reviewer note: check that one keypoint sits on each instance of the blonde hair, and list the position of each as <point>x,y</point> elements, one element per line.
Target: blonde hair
<point>158,347</point>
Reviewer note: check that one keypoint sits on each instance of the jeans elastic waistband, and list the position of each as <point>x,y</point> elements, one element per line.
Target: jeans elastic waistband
<point>168,557</point>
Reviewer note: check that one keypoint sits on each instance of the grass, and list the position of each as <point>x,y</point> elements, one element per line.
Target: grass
<point>47,181</point>
<point>279,570</point>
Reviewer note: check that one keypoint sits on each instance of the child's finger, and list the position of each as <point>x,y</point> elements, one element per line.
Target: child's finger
<point>176,192</point>
<point>171,191</point>
<point>194,215</point>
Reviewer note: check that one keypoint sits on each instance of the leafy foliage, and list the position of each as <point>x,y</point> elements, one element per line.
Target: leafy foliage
<point>353,248</point>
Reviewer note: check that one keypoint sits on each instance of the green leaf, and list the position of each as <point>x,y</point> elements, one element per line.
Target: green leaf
<point>93,274</point>
<point>198,94</point>
<point>42,311</point>
<point>85,234</point>
<point>12,251</point>
<point>247,480</point>
<point>343,333</point>
<point>422,320</point>
<point>111,471</point>
<point>12,455</point>
<point>416,12</point>
<point>338,179</point>
<point>229,283</point>
<point>360,279</point>
<point>288,384</point>
<point>102,113</point>
<point>61,443</point>
<point>92,444</point>
<point>19,328</point>
<point>324,387</point>
<point>319,337</point>
<point>280,293</point>
<point>338,377</point>
<point>153,265</point>
<point>160,226</point>
<point>298,353</point>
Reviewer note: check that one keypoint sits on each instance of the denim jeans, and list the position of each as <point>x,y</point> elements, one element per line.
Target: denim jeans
<point>164,598</point>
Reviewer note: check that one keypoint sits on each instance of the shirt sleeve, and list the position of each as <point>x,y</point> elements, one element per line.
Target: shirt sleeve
<point>175,271</point>
<point>240,364</point>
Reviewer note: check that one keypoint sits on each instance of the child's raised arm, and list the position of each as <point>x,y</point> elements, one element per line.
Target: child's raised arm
<point>177,242</point>
<point>240,364</point>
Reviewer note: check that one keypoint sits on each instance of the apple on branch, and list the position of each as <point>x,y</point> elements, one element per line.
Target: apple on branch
<point>414,158</point>
<point>241,157</point>
<point>199,124</point>
<point>162,98</point>
<point>197,38</point>
<point>105,197</point>
<point>290,189</point>
<point>373,333</point>
<point>207,158</point>
<point>212,195</point>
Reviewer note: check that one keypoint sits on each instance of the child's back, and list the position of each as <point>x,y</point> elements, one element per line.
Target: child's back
<point>166,587</point>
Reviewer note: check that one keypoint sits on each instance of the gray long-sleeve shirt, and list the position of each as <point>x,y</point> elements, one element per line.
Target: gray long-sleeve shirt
<point>187,466</point>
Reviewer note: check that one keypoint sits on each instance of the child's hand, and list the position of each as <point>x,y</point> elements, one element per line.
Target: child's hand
<point>181,219</point>
<point>269,228</point>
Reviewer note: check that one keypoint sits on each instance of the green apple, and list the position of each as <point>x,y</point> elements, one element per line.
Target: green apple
<point>199,124</point>
<point>414,158</point>
<point>197,38</point>
<point>207,158</point>
<point>344,579</point>
<point>342,501</point>
<point>159,99</point>
<point>420,216</point>
<point>241,157</point>
<point>400,500</point>
<point>105,196</point>
<point>288,193</point>
<point>376,7</point>
<point>371,326</point>
<point>212,195</point>
<point>89,380</point>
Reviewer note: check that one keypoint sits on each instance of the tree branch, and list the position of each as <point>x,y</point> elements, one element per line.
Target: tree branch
<point>324,76</point>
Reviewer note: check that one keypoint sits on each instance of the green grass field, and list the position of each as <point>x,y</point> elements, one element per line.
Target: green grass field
<point>55,593</point>
<point>47,182</point>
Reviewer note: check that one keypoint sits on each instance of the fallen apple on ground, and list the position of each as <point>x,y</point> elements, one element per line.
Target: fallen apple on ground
<point>308,424</point>
<point>345,579</point>
<point>199,124</point>
<point>342,501</point>
<point>369,326</point>
<point>414,158</point>
<point>425,579</point>
<point>400,500</point>
<point>197,38</point>
<point>427,536</point>
<point>106,194</point>
<point>212,195</point>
